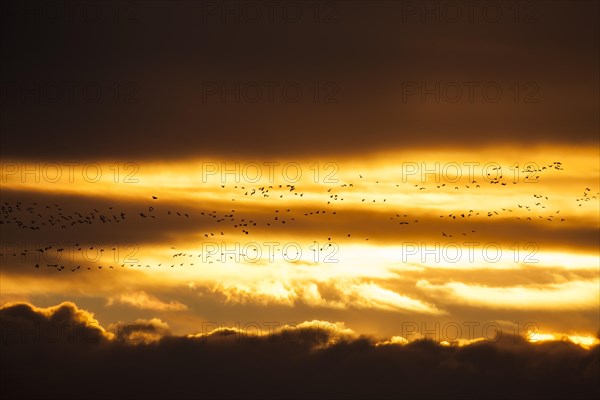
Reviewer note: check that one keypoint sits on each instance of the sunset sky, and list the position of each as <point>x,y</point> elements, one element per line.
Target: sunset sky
<point>382,171</point>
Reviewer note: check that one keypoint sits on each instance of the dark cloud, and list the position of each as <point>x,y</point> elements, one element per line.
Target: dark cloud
<point>63,324</point>
<point>305,364</point>
<point>139,85</point>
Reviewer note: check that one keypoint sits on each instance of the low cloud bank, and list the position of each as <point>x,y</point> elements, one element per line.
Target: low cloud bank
<point>62,352</point>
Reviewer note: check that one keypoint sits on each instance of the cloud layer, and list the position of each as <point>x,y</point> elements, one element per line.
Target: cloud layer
<point>311,361</point>
<point>370,54</point>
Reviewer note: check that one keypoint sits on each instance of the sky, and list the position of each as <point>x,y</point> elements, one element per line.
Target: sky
<point>306,187</point>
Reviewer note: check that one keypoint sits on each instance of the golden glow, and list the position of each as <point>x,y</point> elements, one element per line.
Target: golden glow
<point>581,340</point>
<point>385,237</point>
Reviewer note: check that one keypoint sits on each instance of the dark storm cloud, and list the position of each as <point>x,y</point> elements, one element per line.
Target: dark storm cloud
<point>64,324</point>
<point>147,80</point>
<point>228,364</point>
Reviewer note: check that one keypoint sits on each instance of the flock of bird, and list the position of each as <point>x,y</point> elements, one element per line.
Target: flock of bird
<point>37,216</point>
